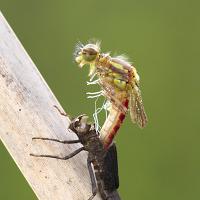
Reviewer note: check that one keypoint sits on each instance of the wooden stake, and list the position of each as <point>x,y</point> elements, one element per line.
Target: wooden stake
<point>26,111</point>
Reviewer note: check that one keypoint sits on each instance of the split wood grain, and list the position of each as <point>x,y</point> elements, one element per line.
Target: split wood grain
<point>26,111</point>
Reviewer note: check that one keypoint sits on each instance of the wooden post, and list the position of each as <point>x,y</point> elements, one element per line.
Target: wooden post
<point>26,111</point>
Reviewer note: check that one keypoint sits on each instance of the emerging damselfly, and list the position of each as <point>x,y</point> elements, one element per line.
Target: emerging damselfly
<point>104,173</point>
<point>119,82</point>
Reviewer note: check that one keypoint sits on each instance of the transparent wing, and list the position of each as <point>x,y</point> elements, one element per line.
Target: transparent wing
<point>137,111</point>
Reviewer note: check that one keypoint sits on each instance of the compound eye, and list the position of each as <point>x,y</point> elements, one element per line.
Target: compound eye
<point>89,54</point>
<point>76,124</point>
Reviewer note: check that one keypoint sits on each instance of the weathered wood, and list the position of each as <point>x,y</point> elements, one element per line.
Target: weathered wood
<point>26,111</point>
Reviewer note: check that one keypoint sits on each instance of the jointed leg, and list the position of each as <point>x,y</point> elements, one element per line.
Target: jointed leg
<point>102,192</point>
<point>93,82</point>
<point>92,178</point>
<point>62,113</point>
<point>100,186</point>
<point>58,157</point>
<point>56,140</point>
<point>94,94</point>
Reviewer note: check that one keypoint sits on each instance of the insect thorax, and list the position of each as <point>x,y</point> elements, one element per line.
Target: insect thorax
<point>112,75</point>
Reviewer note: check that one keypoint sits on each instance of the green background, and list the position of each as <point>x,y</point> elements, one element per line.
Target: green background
<point>160,162</point>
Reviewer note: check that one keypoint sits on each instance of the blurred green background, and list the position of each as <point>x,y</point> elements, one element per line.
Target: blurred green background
<point>162,161</point>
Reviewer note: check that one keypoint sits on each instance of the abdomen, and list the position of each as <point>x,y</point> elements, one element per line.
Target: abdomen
<point>112,124</point>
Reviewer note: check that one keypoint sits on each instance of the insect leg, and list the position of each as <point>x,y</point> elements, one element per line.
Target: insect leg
<point>99,92</point>
<point>58,157</point>
<point>93,181</point>
<point>56,140</point>
<point>92,82</point>
<point>94,94</point>
<point>98,175</point>
<point>62,113</point>
<point>92,77</point>
<point>101,189</point>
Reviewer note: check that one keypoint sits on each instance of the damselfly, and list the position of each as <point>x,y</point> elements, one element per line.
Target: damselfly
<point>119,82</point>
<point>104,173</point>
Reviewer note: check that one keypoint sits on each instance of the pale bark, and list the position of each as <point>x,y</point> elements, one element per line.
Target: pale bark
<point>26,111</point>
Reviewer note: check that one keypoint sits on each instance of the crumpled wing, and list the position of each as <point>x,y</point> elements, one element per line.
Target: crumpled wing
<point>109,93</point>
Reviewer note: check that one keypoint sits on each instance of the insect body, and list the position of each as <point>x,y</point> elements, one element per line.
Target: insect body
<point>119,82</point>
<point>104,161</point>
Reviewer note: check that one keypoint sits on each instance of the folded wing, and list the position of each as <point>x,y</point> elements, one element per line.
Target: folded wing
<point>137,111</point>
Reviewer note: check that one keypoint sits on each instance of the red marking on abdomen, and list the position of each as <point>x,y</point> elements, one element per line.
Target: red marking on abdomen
<point>111,136</point>
<point>114,128</point>
<point>125,103</point>
<point>122,117</point>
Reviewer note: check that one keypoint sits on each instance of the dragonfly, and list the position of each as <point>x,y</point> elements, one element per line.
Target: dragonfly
<point>119,83</point>
<point>102,164</point>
